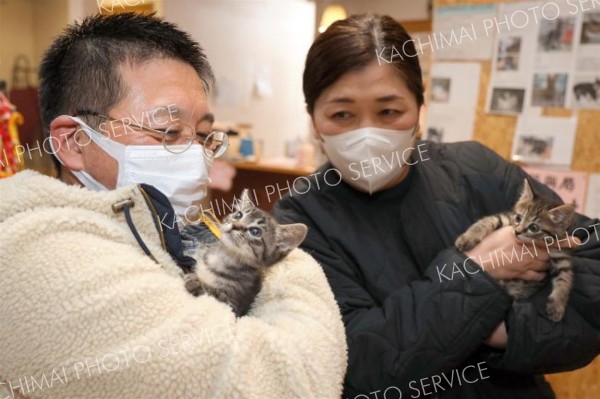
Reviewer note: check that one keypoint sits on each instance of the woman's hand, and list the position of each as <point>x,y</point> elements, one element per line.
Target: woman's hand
<point>498,338</point>
<point>504,257</point>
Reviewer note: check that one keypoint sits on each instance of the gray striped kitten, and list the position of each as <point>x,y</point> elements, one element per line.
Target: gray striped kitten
<point>231,269</point>
<point>533,218</point>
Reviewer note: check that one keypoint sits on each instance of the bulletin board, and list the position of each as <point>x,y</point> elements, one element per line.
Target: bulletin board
<point>497,131</point>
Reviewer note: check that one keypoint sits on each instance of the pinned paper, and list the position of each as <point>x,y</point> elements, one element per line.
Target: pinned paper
<point>570,186</point>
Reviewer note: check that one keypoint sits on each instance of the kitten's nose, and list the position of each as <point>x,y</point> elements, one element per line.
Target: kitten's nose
<point>237,226</point>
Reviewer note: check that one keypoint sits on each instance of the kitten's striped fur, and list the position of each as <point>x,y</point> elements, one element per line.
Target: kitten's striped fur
<point>532,218</point>
<point>231,269</point>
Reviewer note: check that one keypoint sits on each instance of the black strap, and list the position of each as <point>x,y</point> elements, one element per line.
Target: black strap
<point>137,236</point>
<point>165,221</point>
<point>169,226</point>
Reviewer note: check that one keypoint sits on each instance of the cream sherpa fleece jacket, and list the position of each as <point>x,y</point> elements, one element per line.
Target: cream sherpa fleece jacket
<point>84,313</point>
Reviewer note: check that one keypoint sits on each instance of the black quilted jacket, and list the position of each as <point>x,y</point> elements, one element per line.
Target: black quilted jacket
<point>416,327</point>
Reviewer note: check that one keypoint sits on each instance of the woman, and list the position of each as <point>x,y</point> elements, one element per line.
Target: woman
<point>421,318</point>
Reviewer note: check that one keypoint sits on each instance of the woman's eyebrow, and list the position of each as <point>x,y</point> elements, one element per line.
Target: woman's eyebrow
<point>390,97</point>
<point>341,100</point>
<point>387,98</point>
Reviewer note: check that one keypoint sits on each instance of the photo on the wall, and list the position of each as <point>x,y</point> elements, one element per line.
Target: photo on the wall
<point>549,89</point>
<point>533,149</point>
<point>544,140</point>
<point>590,31</point>
<point>556,35</point>
<point>586,91</point>
<point>440,89</point>
<point>435,134</point>
<point>509,51</point>
<point>507,100</point>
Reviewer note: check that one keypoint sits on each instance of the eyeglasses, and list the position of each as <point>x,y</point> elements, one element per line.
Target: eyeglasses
<point>178,136</point>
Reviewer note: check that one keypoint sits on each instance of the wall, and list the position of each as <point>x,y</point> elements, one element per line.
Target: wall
<point>245,40</point>
<point>16,34</point>
<point>402,10</point>
<point>49,19</point>
<point>28,27</point>
<point>79,9</point>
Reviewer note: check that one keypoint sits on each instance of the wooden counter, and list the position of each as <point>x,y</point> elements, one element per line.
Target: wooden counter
<point>268,181</point>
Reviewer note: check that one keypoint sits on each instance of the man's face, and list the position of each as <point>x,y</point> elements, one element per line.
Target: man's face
<point>158,92</point>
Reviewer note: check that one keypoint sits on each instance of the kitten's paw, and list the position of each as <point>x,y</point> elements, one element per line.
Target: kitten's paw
<point>465,243</point>
<point>555,310</point>
<point>193,284</point>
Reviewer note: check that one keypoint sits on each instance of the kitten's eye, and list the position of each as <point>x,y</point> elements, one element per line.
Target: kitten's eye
<point>255,231</point>
<point>534,228</point>
<point>518,218</point>
<point>237,216</point>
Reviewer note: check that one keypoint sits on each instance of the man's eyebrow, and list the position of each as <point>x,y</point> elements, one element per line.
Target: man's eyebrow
<point>176,112</point>
<point>208,117</point>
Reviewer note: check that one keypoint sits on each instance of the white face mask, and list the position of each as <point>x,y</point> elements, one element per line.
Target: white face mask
<point>182,178</point>
<point>370,158</point>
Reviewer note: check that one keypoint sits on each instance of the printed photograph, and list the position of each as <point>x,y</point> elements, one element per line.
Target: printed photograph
<point>549,89</point>
<point>440,89</point>
<point>509,50</point>
<point>507,100</point>
<point>531,148</point>
<point>590,32</point>
<point>556,35</point>
<point>586,92</point>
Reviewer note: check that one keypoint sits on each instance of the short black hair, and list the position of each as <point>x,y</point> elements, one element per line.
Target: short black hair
<point>80,70</point>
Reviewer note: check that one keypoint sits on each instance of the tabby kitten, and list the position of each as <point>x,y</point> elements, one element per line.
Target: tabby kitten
<point>231,268</point>
<point>532,218</point>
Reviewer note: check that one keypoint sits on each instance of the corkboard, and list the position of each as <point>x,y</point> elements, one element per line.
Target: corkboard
<point>497,131</point>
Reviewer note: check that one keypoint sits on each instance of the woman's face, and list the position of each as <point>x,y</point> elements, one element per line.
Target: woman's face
<point>375,96</point>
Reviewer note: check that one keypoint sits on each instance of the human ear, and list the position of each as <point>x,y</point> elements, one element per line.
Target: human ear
<point>66,138</point>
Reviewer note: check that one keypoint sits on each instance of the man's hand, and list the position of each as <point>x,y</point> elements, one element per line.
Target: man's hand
<point>504,257</point>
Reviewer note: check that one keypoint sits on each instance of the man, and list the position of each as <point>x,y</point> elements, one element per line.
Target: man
<point>93,304</point>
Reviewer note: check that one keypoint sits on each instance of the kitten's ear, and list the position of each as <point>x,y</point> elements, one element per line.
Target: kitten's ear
<point>562,215</point>
<point>290,236</point>
<point>527,193</point>
<point>245,202</point>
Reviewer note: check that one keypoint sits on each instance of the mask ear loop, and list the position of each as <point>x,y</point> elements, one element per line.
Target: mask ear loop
<point>111,147</point>
<point>114,149</point>
<point>84,178</point>
<point>53,150</point>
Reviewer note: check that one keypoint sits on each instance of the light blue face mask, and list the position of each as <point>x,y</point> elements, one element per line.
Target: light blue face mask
<point>182,177</point>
